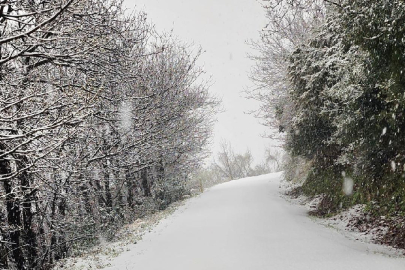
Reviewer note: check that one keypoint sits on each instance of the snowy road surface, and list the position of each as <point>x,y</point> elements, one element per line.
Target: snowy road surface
<point>246,225</point>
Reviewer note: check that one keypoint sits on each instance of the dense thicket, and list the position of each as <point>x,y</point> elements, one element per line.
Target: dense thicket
<point>342,98</point>
<point>101,121</point>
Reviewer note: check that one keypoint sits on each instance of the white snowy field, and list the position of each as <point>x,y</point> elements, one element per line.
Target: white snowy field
<point>245,224</point>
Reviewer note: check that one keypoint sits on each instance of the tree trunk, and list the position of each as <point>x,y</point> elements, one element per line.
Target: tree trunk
<point>13,209</point>
<point>29,235</point>
<point>145,184</point>
<point>107,190</point>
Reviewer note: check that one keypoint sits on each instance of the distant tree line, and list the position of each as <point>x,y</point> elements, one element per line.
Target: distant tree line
<point>331,79</point>
<point>229,165</point>
<point>101,120</point>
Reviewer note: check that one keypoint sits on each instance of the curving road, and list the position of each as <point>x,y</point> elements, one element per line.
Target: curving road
<point>246,225</point>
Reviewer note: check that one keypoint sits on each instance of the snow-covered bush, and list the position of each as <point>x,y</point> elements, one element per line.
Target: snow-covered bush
<point>101,118</point>
<point>344,87</point>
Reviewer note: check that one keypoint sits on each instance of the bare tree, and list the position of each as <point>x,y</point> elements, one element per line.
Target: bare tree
<point>231,165</point>
<point>290,24</point>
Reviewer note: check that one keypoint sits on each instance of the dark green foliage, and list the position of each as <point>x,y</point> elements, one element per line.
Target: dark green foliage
<point>377,27</point>
<point>329,183</point>
<point>348,90</point>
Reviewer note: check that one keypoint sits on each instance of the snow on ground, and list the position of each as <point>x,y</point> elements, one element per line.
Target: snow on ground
<point>99,256</point>
<point>345,222</point>
<point>342,221</point>
<point>246,224</point>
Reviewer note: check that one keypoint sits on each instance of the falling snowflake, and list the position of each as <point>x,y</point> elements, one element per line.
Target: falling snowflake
<point>125,114</point>
<point>393,166</point>
<point>348,186</point>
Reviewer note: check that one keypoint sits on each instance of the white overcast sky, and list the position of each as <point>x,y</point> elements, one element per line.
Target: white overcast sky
<point>221,28</point>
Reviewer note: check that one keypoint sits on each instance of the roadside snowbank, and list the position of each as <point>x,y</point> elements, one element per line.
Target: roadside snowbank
<point>354,223</point>
<point>100,256</point>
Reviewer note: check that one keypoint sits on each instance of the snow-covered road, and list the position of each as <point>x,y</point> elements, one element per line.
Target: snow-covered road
<point>246,225</point>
